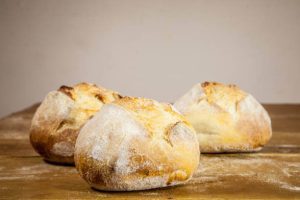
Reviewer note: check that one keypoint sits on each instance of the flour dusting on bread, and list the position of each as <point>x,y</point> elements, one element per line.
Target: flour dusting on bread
<point>136,143</point>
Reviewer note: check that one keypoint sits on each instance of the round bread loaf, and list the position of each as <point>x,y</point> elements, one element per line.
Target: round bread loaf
<point>57,121</point>
<point>225,118</point>
<point>136,144</point>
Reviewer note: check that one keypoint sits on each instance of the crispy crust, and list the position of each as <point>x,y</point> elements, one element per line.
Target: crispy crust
<point>226,118</point>
<point>153,115</point>
<point>61,115</point>
<point>136,144</point>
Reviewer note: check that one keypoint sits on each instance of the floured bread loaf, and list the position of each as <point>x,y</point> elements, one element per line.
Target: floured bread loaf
<point>57,121</point>
<point>136,144</point>
<point>225,118</point>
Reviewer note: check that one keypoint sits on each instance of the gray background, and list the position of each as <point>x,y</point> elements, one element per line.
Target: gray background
<point>155,49</point>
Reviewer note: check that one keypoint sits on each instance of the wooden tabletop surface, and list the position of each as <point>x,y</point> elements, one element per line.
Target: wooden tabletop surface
<point>273,173</point>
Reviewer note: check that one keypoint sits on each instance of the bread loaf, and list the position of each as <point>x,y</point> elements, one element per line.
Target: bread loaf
<point>136,144</point>
<point>61,115</point>
<point>225,118</point>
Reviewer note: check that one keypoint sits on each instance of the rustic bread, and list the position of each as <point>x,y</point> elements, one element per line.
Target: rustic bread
<point>136,144</point>
<point>225,118</point>
<point>58,119</point>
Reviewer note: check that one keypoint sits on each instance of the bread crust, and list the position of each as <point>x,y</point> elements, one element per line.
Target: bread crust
<point>136,144</point>
<point>225,118</point>
<point>57,121</point>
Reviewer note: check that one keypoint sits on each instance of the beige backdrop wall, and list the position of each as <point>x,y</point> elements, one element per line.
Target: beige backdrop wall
<point>155,49</point>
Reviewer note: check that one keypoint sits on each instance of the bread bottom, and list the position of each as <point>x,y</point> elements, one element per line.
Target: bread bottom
<point>113,189</point>
<point>231,151</point>
<point>59,162</point>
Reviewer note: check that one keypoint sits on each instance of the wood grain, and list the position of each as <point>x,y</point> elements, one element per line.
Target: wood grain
<point>273,173</point>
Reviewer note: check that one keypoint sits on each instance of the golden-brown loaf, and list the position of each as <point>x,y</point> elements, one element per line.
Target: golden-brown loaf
<point>136,144</point>
<point>58,119</point>
<point>225,118</point>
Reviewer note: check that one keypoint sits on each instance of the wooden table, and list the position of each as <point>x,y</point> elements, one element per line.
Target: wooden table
<point>273,173</point>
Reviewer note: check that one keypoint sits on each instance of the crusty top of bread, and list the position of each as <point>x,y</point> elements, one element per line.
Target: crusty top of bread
<point>88,99</point>
<point>222,95</point>
<point>156,117</point>
<point>90,90</point>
